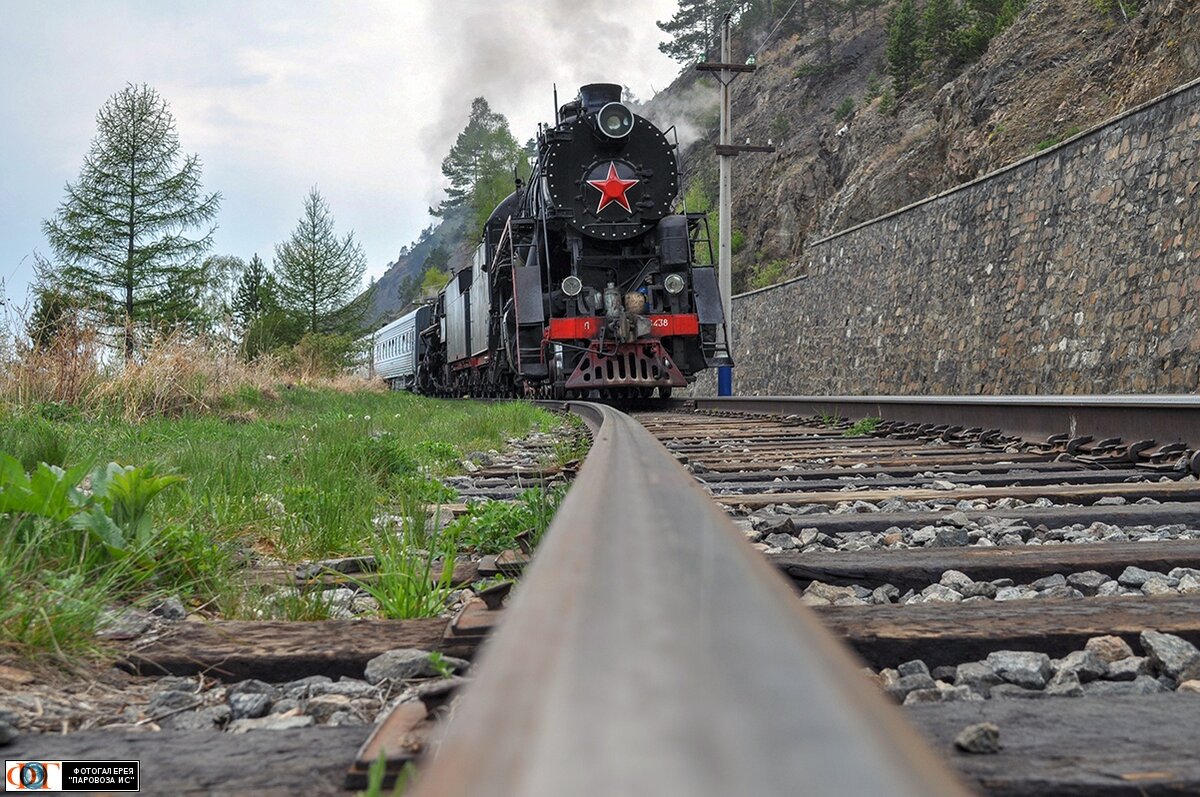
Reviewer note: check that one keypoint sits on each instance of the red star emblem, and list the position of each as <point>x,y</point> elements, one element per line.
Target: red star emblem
<point>612,189</point>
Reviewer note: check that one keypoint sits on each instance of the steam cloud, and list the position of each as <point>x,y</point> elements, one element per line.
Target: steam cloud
<point>689,110</point>
<point>512,52</point>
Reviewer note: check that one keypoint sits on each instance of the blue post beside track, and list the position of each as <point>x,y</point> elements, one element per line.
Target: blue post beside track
<point>725,381</point>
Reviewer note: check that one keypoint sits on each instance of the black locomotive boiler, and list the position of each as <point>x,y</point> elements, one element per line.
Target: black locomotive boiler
<point>585,282</point>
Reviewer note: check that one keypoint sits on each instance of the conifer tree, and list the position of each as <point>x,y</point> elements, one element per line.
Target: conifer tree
<point>53,314</point>
<point>480,164</point>
<point>938,24</point>
<point>254,294</point>
<point>131,231</point>
<point>828,13</point>
<point>319,274</point>
<point>903,60</point>
<point>693,30</point>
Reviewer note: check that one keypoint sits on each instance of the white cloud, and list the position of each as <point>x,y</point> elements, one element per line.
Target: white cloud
<point>361,98</point>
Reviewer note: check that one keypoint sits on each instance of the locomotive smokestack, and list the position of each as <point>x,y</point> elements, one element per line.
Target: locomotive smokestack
<point>596,95</point>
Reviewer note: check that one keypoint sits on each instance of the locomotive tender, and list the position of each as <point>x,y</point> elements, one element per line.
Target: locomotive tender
<point>585,282</point>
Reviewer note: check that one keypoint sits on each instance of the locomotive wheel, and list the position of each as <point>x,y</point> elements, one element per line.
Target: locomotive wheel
<point>664,392</point>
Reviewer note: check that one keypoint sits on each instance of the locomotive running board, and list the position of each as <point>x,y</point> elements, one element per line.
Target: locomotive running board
<point>643,364</point>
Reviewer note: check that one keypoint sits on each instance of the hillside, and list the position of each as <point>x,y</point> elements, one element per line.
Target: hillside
<point>397,286</point>
<point>848,151</point>
<point>1061,67</point>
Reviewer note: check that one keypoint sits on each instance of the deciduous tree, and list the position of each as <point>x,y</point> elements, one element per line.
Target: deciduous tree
<point>434,280</point>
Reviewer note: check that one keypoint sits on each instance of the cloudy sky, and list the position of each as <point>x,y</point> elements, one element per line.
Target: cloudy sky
<point>362,98</point>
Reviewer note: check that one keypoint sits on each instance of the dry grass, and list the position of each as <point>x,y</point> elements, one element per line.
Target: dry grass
<point>178,375</point>
<point>173,375</point>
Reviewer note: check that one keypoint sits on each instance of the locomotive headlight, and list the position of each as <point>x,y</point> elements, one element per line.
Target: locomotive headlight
<point>615,120</point>
<point>572,285</point>
<point>674,283</point>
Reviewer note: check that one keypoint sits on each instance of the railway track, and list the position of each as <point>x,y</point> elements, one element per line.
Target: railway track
<point>763,597</point>
<point>984,579</point>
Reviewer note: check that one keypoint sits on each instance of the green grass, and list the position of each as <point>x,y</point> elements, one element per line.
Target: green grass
<point>296,477</point>
<point>415,563</point>
<point>377,774</point>
<point>862,427</point>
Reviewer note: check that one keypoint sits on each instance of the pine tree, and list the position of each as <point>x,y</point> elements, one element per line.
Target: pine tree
<point>408,290</point>
<point>693,30</point>
<point>480,164</point>
<point>319,274</point>
<point>903,60</point>
<point>124,234</point>
<point>828,13</point>
<point>254,294</point>
<point>938,24</point>
<point>52,316</point>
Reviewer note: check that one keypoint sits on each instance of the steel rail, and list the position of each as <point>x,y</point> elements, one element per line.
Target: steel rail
<point>1164,418</point>
<point>650,650</point>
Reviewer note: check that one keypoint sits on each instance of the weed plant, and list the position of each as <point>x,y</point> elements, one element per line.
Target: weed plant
<point>492,526</point>
<point>828,419</point>
<point>67,550</point>
<point>862,427</point>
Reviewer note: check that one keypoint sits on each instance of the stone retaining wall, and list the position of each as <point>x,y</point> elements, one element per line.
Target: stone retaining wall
<point>1073,271</point>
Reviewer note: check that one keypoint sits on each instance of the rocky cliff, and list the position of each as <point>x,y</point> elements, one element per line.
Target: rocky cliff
<point>844,156</point>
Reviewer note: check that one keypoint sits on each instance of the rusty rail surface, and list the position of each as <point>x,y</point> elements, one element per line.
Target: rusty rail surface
<point>650,650</point>
<point>1165,418</point>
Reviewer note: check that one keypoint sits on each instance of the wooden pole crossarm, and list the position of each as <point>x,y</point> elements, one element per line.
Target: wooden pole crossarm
<point>717,67</point>
<point>737,149</point>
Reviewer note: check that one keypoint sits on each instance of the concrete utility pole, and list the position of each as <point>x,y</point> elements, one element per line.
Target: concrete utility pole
<point>725,225</point>
<point>726,71</point>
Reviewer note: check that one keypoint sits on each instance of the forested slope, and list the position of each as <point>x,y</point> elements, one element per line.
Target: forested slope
<point>872,105</point>
<point>851,146</point>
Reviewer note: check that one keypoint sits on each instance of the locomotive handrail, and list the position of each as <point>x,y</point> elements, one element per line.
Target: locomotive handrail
<point>650,650</point>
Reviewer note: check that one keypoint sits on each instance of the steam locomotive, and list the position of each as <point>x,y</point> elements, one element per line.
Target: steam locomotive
<point>585,283</point>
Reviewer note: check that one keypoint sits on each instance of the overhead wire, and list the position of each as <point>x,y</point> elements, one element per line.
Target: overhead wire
<point>716,37</point>
<point>771,35</point>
